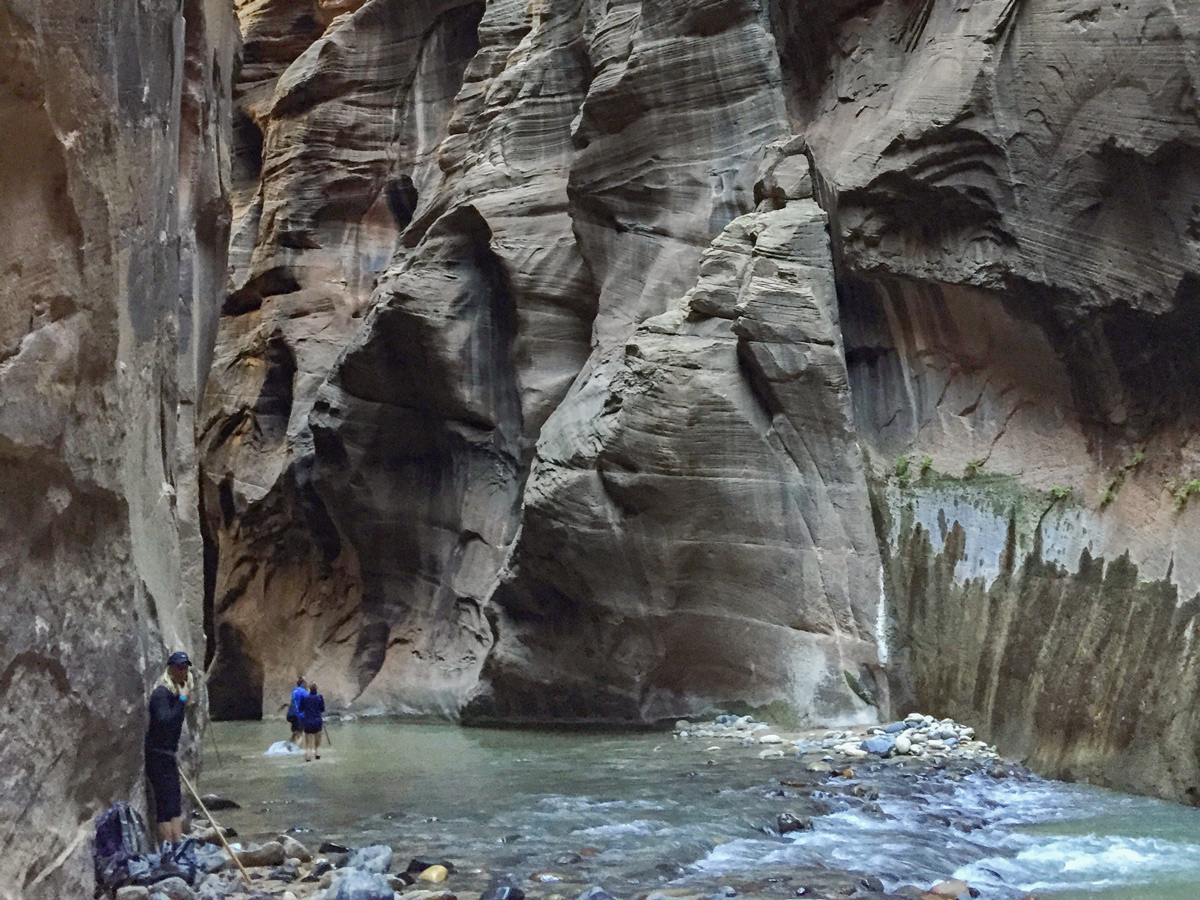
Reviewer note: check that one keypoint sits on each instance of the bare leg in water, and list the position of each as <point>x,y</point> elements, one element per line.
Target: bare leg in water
<point>312,745</point>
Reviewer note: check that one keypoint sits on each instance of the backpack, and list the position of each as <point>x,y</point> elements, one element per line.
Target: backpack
<point>120,837</point>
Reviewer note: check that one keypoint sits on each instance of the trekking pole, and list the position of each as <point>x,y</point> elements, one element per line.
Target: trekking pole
<point>328,739</point>
<point>216,827</point>
<point>216,746</point>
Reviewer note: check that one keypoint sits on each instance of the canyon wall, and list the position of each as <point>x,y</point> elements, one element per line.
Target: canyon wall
<point>1019,244</point>
<point>622,360</point>
<point>115,224</point>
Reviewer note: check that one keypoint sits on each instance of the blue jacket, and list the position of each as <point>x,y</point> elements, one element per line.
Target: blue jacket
<point>311,708</point>
<point>297,695</point>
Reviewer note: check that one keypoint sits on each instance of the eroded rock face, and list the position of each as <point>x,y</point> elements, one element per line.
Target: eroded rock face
<point>588,163</point>
<point>601,404</point>
<point>112,208</point>
<point>696,530</point>
<point>339,108</point>
<point>1020,283</point>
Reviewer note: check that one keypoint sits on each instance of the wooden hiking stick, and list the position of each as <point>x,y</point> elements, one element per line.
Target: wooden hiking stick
<point>216,827</point>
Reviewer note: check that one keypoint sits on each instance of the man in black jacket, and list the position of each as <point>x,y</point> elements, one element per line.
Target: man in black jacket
<point>168,707</point>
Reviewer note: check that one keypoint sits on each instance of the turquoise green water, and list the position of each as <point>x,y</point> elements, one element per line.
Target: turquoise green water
<point>645,811</point>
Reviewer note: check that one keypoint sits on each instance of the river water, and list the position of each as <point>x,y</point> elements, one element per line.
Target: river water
<point>639,812</point>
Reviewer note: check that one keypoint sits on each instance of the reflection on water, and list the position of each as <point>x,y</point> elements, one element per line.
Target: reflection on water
<point>637,811</point>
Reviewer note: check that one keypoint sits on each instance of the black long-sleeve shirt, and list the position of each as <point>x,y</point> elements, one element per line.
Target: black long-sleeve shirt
<point>166,721</point>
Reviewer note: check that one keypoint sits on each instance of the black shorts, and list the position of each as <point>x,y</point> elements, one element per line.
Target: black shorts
<point>313,727</point>
<point>164,782</point>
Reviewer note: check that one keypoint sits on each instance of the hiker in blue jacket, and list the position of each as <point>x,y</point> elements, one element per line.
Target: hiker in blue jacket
<point>312,707</point>
<point>299,692</point>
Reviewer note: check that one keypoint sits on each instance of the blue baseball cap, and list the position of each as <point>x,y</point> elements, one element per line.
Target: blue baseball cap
<point>179,658</point>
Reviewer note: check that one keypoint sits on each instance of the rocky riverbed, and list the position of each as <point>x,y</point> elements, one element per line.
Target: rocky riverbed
<point>785,786</point>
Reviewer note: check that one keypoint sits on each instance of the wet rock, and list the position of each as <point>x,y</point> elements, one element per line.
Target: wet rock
<point>218,885</point>
<point>954,889</point>
<point>132,892</point>
<point>881,746</point>
<point>213,803</point>
<point>375,859</point>
<point>331,847</point>
<point>789,822</point>
<point>356,885</point>
<point>568,859</point>
<point>420,895</point>
<point>871,883</point>
<point>771,753</point>
<point>289,871</point>
<point>505,891</point>
<point>294,849</point>
<point>269,854</point>
<point>173,888</point>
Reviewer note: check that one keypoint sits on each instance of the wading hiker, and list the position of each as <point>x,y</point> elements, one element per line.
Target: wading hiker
<point>312,707</point>
<point>299,692</point>
<point>168,707</point>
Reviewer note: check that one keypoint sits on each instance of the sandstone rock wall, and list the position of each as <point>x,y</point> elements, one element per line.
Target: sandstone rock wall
<point>1019,259</point>
<point>696,528</point>
<point>115,231</point>
<point>590,445</point>
<point>589,160</point>
<point>339,108</point>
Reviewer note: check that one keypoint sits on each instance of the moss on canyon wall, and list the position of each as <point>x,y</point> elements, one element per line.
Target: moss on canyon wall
<point>1082,665</point>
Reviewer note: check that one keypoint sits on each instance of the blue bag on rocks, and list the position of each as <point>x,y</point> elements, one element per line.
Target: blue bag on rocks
<point>191,858</point>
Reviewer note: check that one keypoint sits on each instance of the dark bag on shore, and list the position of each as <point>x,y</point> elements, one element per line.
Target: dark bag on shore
<point>120,837</point>
<point>123,856</point>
